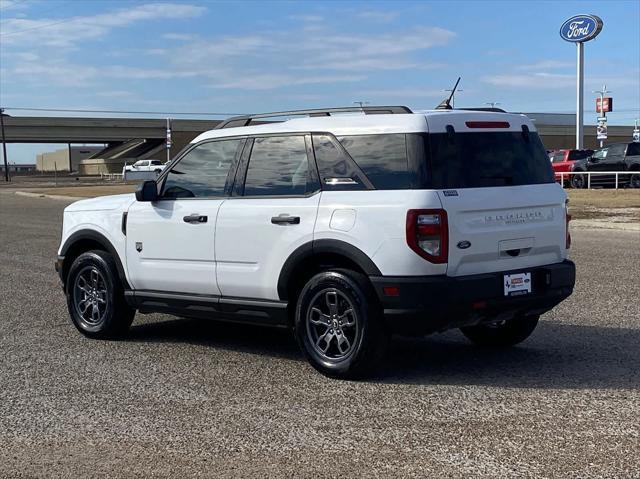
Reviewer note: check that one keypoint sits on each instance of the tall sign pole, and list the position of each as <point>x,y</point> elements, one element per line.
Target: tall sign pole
<point>580,29</point>
<point>4,146</point>
<point>580,97</point>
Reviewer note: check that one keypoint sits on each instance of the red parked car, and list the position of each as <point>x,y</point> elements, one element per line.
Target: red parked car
<point>563,160</point>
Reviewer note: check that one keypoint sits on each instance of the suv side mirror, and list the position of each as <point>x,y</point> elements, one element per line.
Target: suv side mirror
<point>147,191</point>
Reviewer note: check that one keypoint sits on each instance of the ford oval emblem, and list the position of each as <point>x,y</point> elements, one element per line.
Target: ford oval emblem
<point>464,244</point>
<point>581,28</point>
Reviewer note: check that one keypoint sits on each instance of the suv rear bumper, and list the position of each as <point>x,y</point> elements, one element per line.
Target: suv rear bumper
<point>435,303</point>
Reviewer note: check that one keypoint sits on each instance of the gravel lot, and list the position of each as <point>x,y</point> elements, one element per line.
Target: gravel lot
<point>186,398</point>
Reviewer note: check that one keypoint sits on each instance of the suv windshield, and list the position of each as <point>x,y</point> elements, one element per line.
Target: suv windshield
<point>476,160</point>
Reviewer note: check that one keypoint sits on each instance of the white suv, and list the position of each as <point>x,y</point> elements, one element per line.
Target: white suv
<point>345,227</point>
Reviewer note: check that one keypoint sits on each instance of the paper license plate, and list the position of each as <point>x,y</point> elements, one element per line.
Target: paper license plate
<point>517,284</point>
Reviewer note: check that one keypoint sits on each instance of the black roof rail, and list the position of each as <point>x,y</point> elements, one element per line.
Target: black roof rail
<point>481,108</point>
<point>245,120</point>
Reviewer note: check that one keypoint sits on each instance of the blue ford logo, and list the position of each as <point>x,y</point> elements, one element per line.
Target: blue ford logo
<point>581,28</point>
<point>464,244</point>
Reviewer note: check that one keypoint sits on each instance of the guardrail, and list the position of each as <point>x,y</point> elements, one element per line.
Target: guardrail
<point>594,173</point>
<point>111,177</point>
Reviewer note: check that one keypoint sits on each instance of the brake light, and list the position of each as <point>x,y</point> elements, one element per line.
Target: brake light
<point>487,124</point>
<point>427,234</point>
<point>568,219</point>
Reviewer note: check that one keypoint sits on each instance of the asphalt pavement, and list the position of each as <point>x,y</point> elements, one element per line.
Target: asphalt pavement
<point>185,398</point>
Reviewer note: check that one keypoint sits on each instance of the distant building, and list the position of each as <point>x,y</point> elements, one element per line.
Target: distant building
<point>19,167</point>
<point>65,159</point>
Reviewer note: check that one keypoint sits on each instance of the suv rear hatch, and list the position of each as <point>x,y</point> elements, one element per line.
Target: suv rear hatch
<point>494,179</point>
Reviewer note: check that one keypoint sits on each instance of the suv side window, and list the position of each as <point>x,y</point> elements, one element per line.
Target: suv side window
<point>278,166</point>
<point>383,158</point>
<point>203,171</point>
<point>616,150</point>
<point>335,165</point>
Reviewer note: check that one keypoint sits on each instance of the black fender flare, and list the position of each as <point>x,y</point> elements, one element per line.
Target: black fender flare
<point>87,234</point>
<point>331,246</point>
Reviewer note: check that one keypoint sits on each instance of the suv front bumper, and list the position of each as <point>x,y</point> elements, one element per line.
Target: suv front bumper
<point>426,304</point>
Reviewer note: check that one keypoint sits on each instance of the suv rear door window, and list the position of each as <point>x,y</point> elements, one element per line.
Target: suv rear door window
<point>202,171</point>
<point>487,159</point>
<point>278,167</point>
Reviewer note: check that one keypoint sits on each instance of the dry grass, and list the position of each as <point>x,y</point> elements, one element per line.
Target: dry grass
<point>622,205</point>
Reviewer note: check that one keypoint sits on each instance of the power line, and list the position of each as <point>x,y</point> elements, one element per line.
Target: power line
<point>68,110</point>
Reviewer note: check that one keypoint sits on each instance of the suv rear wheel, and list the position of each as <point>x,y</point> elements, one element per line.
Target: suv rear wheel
<point>501,334</point>
<point>95,296</point>
<point>339,326</point>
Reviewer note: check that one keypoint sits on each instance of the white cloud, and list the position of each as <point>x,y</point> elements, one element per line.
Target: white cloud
<point>307,18</point>
<point>70,31</point>
<point>271,81</point>
<point>261,60</point>
<point>547,65</point>
<point>406,93</point>
<point>183,37</point>
<point>533,80</point>
<point>378,15</point>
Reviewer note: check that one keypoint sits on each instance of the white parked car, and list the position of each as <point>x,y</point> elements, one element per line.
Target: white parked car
<point>346,228</point>
<point>145,165</point>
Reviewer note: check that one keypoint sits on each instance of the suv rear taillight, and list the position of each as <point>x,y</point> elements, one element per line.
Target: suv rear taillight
<point>568,219</point>
<point>427,234</point>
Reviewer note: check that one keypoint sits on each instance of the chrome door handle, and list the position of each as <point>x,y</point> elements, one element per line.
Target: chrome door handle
<point>195,219</point>
<point>285,220</point>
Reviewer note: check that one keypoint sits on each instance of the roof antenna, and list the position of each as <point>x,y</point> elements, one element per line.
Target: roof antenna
<point>446,103</point>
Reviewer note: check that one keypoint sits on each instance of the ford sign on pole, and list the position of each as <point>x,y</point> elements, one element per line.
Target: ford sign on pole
<point>580,29</point>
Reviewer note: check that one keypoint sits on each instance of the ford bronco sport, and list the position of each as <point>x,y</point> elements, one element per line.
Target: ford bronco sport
<point>346,226</point>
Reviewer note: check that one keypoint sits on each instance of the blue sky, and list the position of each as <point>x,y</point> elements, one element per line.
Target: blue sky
<point>253,56</point>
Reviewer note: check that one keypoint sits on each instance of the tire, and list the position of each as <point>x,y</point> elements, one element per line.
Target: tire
<point>501,335</point>
<point>634,181</point>
<point>95,297</point>
<point>340,305</point>
<point>578,181</point>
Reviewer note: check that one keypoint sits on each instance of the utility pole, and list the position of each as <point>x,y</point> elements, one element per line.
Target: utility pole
<point>493,104</point>
<point>4,146</point>
<point>602,93</point>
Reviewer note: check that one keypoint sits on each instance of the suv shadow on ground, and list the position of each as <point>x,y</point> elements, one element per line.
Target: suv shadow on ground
<point>561,356</point>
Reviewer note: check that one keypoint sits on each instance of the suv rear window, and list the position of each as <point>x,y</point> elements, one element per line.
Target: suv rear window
<point>633,149</point>
<point>476,160</point>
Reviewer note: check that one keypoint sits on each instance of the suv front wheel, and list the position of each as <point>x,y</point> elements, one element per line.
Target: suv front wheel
<point>339,326</point>
<point>95,296</point>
